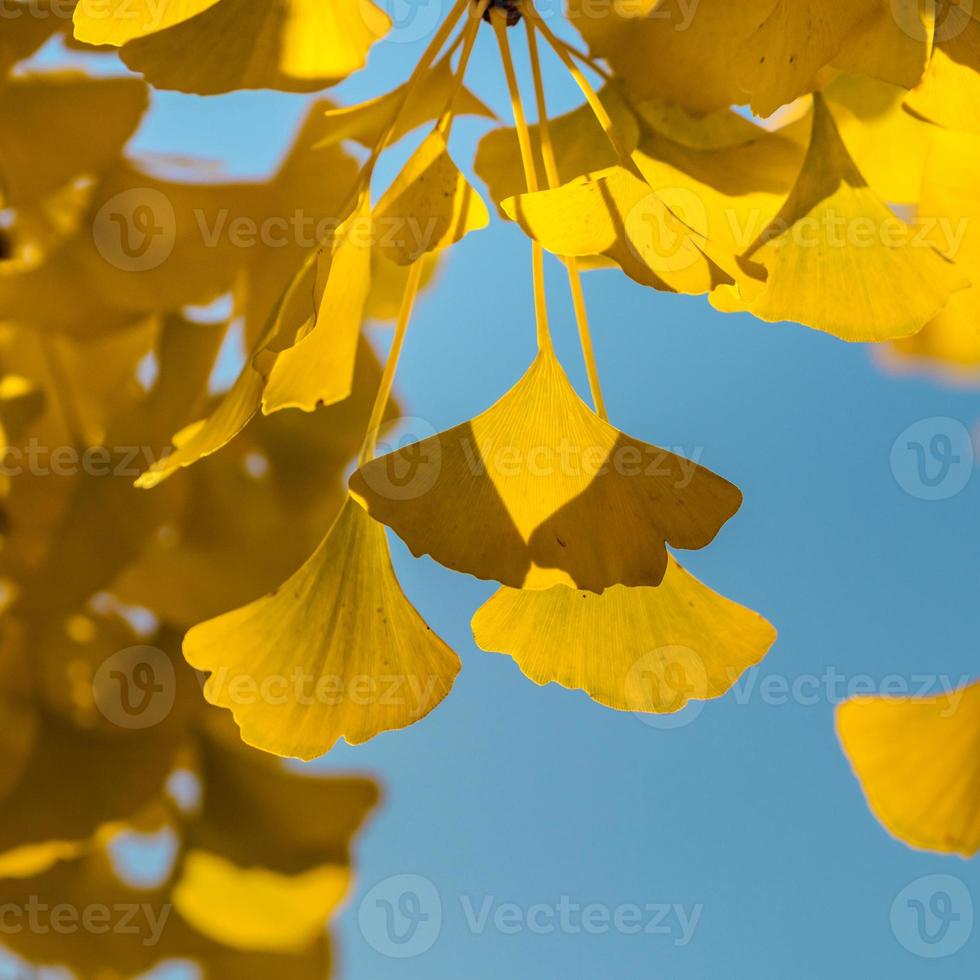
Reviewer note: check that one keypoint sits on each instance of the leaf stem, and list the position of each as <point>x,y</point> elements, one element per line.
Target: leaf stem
<point>391,364</point>
<point>468,37</point>
<point>591,96</point>
<point>499,20</point>
<point>571,263</point>
<point>425,63</point>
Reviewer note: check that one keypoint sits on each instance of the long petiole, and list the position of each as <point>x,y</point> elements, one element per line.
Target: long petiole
<point>425,63</point>
<point>571,263</point>
<point>391,364</point>
<point>468,37</point>
<point>498,19</point>
<point>591,96</point>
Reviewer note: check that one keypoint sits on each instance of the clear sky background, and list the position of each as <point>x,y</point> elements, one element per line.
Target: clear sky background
<point>745,820</point>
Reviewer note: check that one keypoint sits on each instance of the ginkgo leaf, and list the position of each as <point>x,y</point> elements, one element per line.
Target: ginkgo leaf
<point>716,130</point>
<point>143,244</point>
<point>115,22</point>
<point>256,812</point>
<point>207,436</point>
<point>656,58</point>
<point>258,909</point>
<point>917,761</point>
<point>949,93</point>
<point>892,46</point>
<point>790,41</point>
<point>887,144</point>
<point>539,491</point>
<point>318,369</point>
<point>837,259</point>
<point>60,125</point>
<point>201,564</point>
<point>645,649</point>
<point>429,206</point>
<point>298,209</point>
<point>950,208</point>
<point>336,652</point>
<point>725,194</point>
<point>23,34</point>
<point>617,214</point>
<point>274,376</point>
<point>366,122</point>
<point>762,52</point>
<point>155,933</point>
<point>108,771</point>
<point>212,46</point>
<point>580,147</point>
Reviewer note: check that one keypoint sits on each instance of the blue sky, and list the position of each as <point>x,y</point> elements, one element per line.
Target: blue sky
<point>742,830</point>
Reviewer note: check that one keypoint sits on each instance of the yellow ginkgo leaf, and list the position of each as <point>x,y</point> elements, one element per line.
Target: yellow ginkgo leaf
<point>790,41</point>
<point>892,46</point>
<point>203,565</point>
<point>298,210</point>
<point>207,436</point>
<point>716,130</point>
<point>950,206</point>
<point>580,147</point>
<point>23,33</point>
<point>256,812</point>
<point>318,369</point>
<point>646,649</point>
<point>366,122</point>
<point>258,909</point>
<point>143,244</point>
<point>949,93</point>
<point>917,761</point>
<point>336,652</point>
<point>887,143</point>
<point>429,207</point>
<point>615,213</point>
<point>158,934</point>
<point>538,491</point>
<point>764,52</point>
<point>660,55</point>
<point>725,194</point>
<point>212,46</point>
<point>60,125</point>
<point>837,259</point>
<point>115,22</point>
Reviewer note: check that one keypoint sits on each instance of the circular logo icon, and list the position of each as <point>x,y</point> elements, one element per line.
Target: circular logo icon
<point>666,688</point>
<point>933,458</point>
<point>135,231</point>
<point>933,916</point>
<point>401,917</point>
<point>659,226</point>
<point>549,10</point>
<point>411,20</point>
<point>408,461</point>
<point>951,18</point>
<point>136,687</point>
